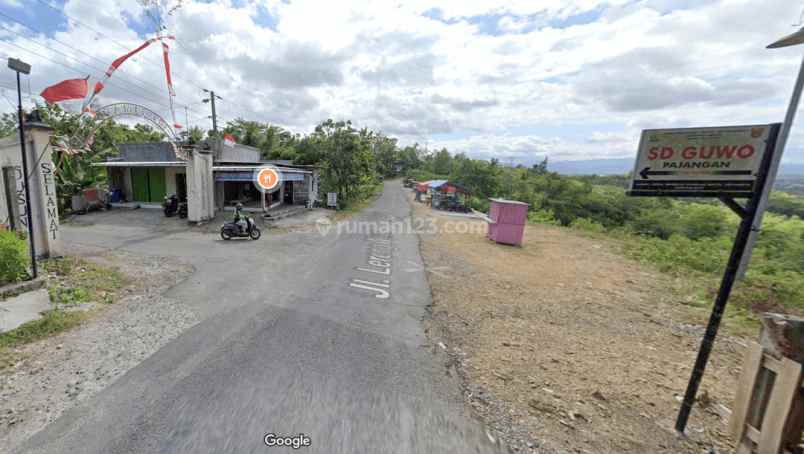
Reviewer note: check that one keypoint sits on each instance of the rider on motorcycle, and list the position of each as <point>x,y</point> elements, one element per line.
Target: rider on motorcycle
<point>239,218</point>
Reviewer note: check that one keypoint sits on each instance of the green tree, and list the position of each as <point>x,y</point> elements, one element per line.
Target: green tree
<point>347,163</point>
<point>442,162</point>
<point>8,124</point>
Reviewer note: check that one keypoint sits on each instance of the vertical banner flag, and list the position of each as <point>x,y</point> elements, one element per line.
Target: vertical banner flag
<point>171,93</point>
<point>228,140</point>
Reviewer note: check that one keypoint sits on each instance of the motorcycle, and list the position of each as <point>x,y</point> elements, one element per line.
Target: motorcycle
<point>170,205</point>
<point>231,230</point>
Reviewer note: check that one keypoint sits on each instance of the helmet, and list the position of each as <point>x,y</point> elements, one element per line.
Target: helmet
<point>239,205</point>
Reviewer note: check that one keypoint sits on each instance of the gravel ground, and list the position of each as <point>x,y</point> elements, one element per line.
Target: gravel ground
<point>54,374</point>
<point>565,346</point>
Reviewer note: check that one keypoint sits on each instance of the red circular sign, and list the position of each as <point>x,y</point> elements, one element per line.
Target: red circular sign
<point>268,178</point>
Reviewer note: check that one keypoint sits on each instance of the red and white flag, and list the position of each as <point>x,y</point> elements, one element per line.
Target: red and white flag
<point>64,90</point>
<point>229,140</point>
<point>171,93</point>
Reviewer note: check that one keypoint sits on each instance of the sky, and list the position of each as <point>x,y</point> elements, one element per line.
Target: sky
<point>514,80</point>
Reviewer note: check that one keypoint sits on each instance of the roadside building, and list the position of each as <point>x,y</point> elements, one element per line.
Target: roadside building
<point>221,176</point>
<point>145,173</point>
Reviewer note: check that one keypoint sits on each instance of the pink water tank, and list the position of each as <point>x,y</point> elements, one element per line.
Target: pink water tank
<point>508,218</point>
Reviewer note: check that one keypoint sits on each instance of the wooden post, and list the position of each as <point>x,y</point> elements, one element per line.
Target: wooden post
<point>768,416</point>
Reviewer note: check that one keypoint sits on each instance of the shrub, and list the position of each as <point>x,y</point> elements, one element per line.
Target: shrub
<point>543,217</point>
<point>13,257</point>
<point>479,204</point>
<point>701,221</point>
<point>587,225</point>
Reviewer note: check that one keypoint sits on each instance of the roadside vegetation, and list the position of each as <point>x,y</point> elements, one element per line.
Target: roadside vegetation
<point>75,287</point>
<point>352,161</point>
<point>13,257</point>
<point>683,238</point>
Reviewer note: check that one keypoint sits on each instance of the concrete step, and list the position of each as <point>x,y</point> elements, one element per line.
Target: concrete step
<point>275,215</point>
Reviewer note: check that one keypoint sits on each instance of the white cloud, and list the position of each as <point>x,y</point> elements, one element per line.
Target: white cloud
<point>412,71</point>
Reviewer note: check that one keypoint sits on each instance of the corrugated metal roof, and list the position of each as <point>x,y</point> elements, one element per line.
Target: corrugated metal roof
<point>140,164</point>
<point>145,152</point>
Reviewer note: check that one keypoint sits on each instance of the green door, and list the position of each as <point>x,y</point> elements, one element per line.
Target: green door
<point>148,184</point>
<point>156,184</point>
<point>139,184</point>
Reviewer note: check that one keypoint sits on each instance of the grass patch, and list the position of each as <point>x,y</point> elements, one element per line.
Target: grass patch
<point>76,281</point>
<point>72,281</point>
<point>53,321</point>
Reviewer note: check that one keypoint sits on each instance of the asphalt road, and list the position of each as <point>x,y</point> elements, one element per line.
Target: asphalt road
<point>295,339</point>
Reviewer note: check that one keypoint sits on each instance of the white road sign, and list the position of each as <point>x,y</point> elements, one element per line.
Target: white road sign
<point>700,162</point>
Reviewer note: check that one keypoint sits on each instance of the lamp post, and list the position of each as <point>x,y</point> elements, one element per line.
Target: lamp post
<point>20,66</point>
<point>790,40</point>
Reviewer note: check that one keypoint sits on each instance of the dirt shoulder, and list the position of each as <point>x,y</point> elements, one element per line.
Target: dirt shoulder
<point>564,345</point>
<point>51,375</point>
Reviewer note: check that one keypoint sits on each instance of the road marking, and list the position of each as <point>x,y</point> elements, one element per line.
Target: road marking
<point>379,261</point>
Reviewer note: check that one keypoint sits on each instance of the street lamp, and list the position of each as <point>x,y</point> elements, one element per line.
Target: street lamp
<point>20,66</point>
<point>789,40</point>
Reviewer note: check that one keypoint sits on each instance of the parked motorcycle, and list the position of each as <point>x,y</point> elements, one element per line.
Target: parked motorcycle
<point>231,230</point>
<point>170,205</point>
<point>183,209</point>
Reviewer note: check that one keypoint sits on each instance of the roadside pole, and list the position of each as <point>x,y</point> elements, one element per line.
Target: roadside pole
<point>729,162</point>
<point>21,67</point>
<point>777,154</point>
<point>750,215</point>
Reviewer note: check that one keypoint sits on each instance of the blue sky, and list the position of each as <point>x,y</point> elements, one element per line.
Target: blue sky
<point>569,79</point>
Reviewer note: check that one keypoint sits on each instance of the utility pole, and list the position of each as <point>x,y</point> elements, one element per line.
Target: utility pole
<point>211,100</point>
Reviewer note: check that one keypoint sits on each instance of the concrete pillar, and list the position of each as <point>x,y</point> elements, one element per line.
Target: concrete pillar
<point>200,186</point>
<point>219,195</point>
<point>44,202</point>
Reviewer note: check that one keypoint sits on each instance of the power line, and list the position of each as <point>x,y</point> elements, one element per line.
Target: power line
<point>155,101</point>
<point>34,29</point>
<point>76,70</point>
<point>120,78</point>
<point>119,44</point>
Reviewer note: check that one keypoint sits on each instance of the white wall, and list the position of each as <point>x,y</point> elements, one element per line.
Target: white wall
<point>200,187</point>
<point>44,203</point>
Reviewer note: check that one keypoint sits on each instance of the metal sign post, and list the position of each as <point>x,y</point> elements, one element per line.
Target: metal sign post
<point>21,67</point>
<point>790,116</point>
<point>728,163</point>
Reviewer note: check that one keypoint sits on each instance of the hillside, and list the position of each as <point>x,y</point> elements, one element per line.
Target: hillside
<point>565,345</point>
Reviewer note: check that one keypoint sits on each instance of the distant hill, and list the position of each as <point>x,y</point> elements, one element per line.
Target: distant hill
<point>592,166</point>
<point>625,165</point>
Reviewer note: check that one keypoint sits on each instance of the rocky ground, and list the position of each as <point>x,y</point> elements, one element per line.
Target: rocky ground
<point>51,375</point>
<point>565,346</point>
